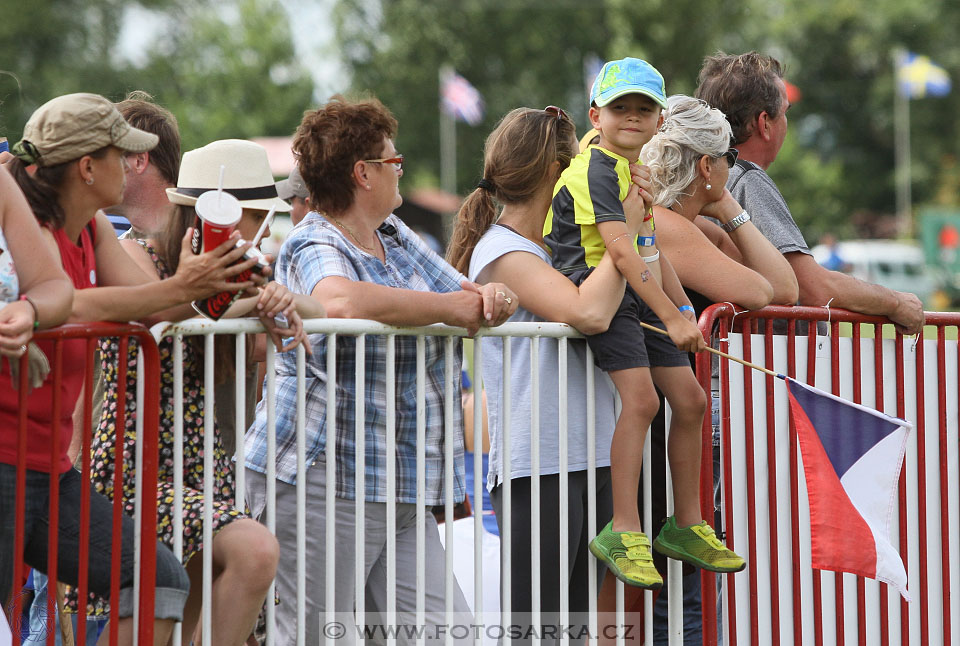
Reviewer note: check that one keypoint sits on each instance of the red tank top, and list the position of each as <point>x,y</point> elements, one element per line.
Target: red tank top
<point>79,263</point>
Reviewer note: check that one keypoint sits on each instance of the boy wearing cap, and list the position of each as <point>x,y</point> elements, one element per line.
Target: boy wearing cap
<point>586,220</point>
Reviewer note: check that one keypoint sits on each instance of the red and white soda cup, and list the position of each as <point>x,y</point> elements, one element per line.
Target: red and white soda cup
<point>217,305</point>
<point>218,213</point>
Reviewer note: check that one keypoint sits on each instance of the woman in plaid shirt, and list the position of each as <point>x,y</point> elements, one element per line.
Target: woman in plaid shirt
<point>362,262</point>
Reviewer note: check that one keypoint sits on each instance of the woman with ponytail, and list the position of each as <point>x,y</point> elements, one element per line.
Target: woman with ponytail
<point>498,237</point>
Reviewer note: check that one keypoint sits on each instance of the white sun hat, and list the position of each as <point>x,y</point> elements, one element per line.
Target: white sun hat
<point>246,175</point>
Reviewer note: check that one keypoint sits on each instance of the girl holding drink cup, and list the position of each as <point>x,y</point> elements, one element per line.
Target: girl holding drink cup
<point>244,552</point>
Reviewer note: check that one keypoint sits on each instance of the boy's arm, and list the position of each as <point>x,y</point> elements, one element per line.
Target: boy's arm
<point>619,244</point>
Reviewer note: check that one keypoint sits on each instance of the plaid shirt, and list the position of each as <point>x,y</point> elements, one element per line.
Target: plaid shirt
<point>315,250</point>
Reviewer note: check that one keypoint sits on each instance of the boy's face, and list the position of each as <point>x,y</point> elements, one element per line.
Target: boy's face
<point>627,123</point>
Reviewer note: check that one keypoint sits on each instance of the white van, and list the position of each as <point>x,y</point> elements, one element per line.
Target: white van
<point>899,265</point>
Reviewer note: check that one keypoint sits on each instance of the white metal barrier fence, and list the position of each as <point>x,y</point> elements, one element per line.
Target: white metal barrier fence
<point>484,625</point>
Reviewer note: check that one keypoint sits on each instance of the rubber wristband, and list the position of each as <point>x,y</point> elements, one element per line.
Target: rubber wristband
<point>646,241</point>
<point>686,308</point>
<point>36,312</point>
<point>654,257</point>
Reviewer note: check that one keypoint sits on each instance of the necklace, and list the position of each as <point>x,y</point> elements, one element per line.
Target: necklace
<point>350,231</point>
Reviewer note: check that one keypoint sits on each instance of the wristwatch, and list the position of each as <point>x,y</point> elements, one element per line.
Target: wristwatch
<point>736,222</point>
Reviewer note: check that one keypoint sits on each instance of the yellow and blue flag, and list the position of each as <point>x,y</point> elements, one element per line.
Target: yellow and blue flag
<point>918,76</point>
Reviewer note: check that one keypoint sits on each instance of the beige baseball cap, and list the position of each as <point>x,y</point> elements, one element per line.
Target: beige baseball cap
<point>73,125</point>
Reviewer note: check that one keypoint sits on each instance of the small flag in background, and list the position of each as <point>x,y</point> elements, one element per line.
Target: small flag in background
<point>461,100</point>
<point>852,457</point>
<point>918,76</point>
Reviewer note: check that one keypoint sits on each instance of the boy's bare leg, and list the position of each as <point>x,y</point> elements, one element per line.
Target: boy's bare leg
<point>640,405</point>
<point>687,406</point>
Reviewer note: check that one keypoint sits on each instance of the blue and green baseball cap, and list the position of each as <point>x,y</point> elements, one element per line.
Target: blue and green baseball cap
<point>628,76</point>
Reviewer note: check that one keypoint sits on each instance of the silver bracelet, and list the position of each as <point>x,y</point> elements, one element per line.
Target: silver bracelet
<point>654,257</point>
<point>736,222</point>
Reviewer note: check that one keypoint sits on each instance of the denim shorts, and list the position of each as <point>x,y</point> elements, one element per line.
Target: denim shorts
<point>172,582</point>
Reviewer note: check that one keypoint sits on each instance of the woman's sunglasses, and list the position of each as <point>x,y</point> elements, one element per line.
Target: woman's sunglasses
<point>731,157</point>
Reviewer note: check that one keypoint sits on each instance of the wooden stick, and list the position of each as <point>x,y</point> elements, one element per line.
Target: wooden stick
<point>722,354</point>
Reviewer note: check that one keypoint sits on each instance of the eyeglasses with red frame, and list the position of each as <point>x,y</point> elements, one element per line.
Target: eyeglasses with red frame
<point>396,161</point>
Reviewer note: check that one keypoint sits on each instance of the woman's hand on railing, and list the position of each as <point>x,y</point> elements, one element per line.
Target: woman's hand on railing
<point>16,328</point>
<point>499,303</point>
<point>293,330</point>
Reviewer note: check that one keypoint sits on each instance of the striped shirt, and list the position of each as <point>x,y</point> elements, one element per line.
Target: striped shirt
<point>590,190</point>
<point>315,250</point>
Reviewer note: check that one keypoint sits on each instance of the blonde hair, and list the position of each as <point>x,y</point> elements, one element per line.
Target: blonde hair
<point>690,129</point>
<point>516,160</point>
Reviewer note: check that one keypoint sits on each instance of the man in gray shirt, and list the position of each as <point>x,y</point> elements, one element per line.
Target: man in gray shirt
<point>749,89</point>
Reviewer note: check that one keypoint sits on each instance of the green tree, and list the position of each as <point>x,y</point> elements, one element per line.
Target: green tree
<point>228,73</point>
<point>225,70</point>
<point>515,53</point>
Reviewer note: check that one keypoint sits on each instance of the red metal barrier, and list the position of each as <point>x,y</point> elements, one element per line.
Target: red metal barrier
<point>76,333</point>
<point>716,323</point>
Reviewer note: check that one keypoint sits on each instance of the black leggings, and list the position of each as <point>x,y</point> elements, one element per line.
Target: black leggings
<point>523,552</point>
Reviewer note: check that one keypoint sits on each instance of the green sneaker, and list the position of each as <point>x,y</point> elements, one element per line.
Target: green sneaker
<point>697,545</point>
<point>627,554</point>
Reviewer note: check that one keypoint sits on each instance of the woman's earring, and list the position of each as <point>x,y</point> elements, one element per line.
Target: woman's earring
<point>89,181</point>
<point>708,187</point>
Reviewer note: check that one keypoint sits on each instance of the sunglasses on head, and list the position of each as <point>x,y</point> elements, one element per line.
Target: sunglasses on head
<point>731,157</point>
<point>557,112</point>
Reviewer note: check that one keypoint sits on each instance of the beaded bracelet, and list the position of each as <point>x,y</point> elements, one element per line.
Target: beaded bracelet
<point>36,312</point>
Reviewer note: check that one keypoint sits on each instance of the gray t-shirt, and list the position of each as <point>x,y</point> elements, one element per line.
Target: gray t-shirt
<point>496,242</point>
<point>761,198</point>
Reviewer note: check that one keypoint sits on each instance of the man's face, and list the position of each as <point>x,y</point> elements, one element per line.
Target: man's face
<point>626,124</point>
<point>778,126</point>
<point>301,206</point>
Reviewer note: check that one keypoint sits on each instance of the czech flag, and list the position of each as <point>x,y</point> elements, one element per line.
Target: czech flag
<point>852,457</point>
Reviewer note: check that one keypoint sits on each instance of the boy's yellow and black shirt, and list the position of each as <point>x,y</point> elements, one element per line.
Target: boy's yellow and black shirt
<point>589,191</point>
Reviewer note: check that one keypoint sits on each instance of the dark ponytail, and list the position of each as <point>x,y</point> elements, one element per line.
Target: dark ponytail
<point>477,213</point>
<point>42,190</point>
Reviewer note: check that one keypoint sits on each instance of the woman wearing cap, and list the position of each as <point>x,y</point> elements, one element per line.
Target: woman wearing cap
<point>523,157</point>
<point>76,145</point>
<point>244,552</point>
<point>363,262</point>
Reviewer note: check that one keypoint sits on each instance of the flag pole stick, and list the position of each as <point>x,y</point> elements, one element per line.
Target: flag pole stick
<point>448,139</point>
<point>722,354</point>
<point>901,146</point>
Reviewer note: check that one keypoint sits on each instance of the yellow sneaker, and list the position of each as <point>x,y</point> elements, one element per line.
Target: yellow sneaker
<point>697,545</point>
<point>627,554</point>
